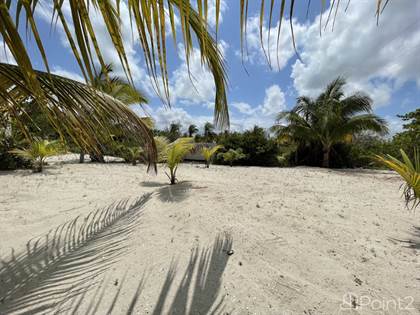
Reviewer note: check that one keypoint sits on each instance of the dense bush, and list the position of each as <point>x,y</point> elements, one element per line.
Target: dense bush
<point>258,147</point>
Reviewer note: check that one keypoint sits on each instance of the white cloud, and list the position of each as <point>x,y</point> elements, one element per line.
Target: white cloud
<point>274,101</point>
<point>395,125</point>
<point>194,84</point>
<point>375,59</point>
<point>211,14</point>
<point>6,55</point>
<point>243,108</point>
<point>67,74</point>
<point>258,54</point>
<point>262,115</point>
<point>164,116</point>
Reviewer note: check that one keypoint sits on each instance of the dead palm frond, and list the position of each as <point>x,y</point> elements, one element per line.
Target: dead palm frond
<point>409,171</point>
<point>65,262</point>
<point>75,110</point>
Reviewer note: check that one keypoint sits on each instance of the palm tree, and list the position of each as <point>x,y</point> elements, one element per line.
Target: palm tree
<point>192,129</point>
<point>176,152</point>
<point>208,131</point>
<point>174,131</point>
<point>409,171</point>
<point>120,90</point>
<point>208,153</point>
<point>329,119</point>
<point>38,151</point>
<point>117,87</point>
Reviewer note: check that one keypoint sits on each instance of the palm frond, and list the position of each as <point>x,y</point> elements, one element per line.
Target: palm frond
<point>279,5</point>
<point>148,18</point>
<point>177,151</point>
<point>75,110</point>
<point>162,144</point>
<point>208,153</point>
<point>363,122</point>
<point>409,171</point>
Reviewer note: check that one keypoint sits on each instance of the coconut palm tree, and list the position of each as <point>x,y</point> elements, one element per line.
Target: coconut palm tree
<point>176,152</point>
<point>409,171</point>
<point>192,129</point>
<point>174,131</point>
<point>329,119</point>
<point>208,153</point>
<point>117,87</point>
<point>38,151</point>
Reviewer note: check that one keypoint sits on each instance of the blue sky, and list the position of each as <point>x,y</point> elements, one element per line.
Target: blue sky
<point>381,61</point>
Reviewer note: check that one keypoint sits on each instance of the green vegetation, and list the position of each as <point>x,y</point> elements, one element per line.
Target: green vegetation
<point>132,154</point>
<point>208,153</point>
<point>175,153</point>
<point>232,155</point>
<point>38,151</point>
<point>328,120</point>
<point>162,144</point>
<point>259,148</point>
<point>409,171</point>
<point>192,130</point>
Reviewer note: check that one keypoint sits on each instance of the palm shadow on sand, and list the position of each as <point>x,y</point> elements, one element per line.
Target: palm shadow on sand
<point>412,242</point>
<point>67,261</point>
<point>198,291</point>
<point>175,193</point>
<point>60,273</point>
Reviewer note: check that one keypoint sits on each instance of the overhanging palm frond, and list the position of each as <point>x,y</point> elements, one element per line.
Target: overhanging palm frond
<point>148,18</point>
<point>73,109</point>
<point>280,6</point>
<point>409,171</point>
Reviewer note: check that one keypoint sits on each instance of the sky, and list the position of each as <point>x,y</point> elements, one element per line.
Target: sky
<point>380,60</point>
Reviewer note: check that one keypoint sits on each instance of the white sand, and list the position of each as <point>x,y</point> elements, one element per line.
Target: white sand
<point>302,239</point>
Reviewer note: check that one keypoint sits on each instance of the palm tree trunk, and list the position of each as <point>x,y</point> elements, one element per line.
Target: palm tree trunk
<point>326,157</point>
<point>173,178</point>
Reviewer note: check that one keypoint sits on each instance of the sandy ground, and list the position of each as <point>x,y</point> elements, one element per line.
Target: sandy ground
<point>241,240</point>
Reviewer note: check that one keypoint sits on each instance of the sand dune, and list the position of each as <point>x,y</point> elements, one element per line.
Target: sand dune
<point>241,240</point>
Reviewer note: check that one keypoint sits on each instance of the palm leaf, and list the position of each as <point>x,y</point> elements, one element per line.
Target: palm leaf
<point>409,171</point>
<point>148,18</point>
<point>208,153</point>
<point>76,111</point>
